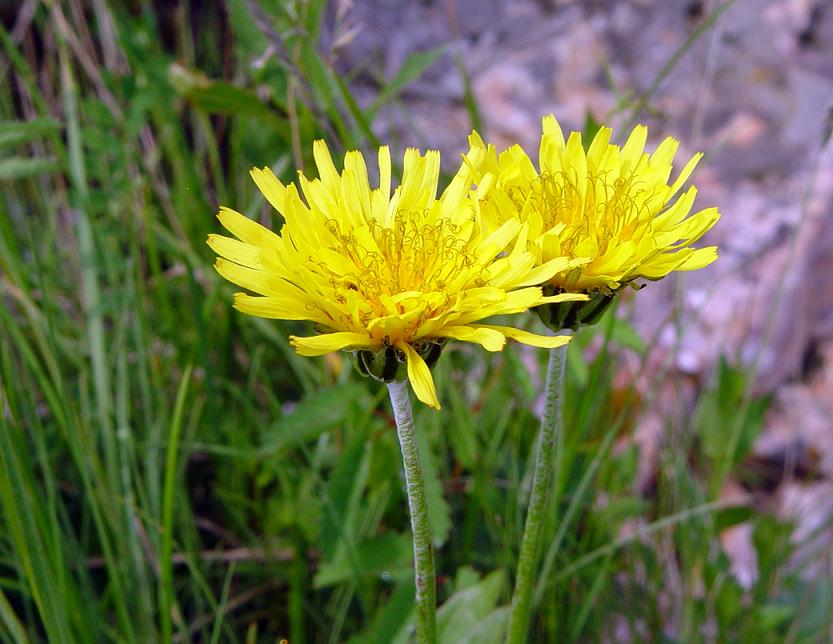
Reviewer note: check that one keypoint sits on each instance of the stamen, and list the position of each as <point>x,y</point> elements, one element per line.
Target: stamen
<point>412,254</point>
<point>612,210</point>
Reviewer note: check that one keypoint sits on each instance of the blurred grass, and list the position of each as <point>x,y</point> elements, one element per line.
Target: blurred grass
<point>172,471</point>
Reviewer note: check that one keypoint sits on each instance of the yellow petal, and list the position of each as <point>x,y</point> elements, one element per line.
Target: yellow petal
<point>550,127</point>
<point>324,162</point>
<point>632,150</point>
<point>236,251</point>
<point>420,376</point>
<point>532,339</point>
<point>699,258</point>
<point>489,339</point>
<point>544,272</point>
<point>247,230</point>
<point>259,281</point>
<point>663,157</point>
<point>318,345</point>
<point>564,297</point>
<point>598,147</point>
<point>384,171</point>
<point>270,186</point>
<point>664,263</point>
<point>685,173</point>
<point>477,158</point>
<point>693,228</point>
<point>278,308</point>
<point>498,240</point>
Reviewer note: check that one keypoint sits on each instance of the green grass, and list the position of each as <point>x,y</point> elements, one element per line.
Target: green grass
<point>171,470</point>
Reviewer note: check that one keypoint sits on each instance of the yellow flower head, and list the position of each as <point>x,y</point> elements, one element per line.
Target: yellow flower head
<point>611,206</point>
<point>385,274</point>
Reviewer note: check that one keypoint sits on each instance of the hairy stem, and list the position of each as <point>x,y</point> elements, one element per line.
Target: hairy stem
<point>424,577</point>
<point>551,423</point>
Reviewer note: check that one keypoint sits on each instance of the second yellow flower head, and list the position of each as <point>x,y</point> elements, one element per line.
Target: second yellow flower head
<point>611,207</point>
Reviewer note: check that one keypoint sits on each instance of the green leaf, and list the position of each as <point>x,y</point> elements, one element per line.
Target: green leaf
<point>627,336</point>
<point>312,417</point>
<point>21,168</point>
<point>218,97</point>
<point>462,436</point>
<point>392,619</point>
<point>816,619</point>
<point>17,132</point>
<point>342,496</point>
<point>489,630</point>
<point>413,67</point>
<point>588,132</point>
<point>717,415</point>
<point>356,111</point>
<point>248,39</point>
<point>729,600</point>
<point>733,516</point>
<point>577,367</point>
<point>774,616</point>
<point>469,98</point>
<point>467,608</point>
<point>439,512</point>
<point>386,553</point>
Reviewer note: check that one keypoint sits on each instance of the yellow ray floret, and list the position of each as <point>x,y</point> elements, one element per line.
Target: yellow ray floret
<point>611,206</point>
<point>376,270</point>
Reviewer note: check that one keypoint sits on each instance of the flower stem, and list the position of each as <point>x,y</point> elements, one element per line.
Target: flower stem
<point>424,577</point>
<point>551,423</point>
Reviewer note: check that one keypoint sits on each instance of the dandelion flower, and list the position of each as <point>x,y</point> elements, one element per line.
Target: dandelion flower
<point>389,277</point>
<point>611,205</point>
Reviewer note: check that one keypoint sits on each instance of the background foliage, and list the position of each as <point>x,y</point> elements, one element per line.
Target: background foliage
<point>171,470</point>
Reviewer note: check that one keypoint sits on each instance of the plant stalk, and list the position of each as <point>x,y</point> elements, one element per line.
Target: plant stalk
<point>551,424</point>
<point>424,576</point>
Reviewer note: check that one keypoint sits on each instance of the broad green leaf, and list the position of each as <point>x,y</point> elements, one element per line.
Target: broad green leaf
<point>312,417</point>
<point>389,553</point>
<point>392,619</point>
<point>489,630</point>
<point>466,608</point>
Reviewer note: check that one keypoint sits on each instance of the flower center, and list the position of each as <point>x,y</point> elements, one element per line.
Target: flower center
<point>607,211</point>
<point>412,268</point>
<point>411,255</point>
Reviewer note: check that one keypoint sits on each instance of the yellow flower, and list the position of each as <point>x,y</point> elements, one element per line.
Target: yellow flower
<point>611,206</point>
<point>380,274</point>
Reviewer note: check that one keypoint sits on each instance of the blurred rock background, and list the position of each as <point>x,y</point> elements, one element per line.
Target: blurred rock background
<point>754,92</point>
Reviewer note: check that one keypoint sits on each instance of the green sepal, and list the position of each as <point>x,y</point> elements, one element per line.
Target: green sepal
<point>389,364</point>
<point>574,315</point>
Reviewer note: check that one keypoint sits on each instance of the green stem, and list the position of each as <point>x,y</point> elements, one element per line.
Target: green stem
<point>426,592</point>
<point>551,423</point>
